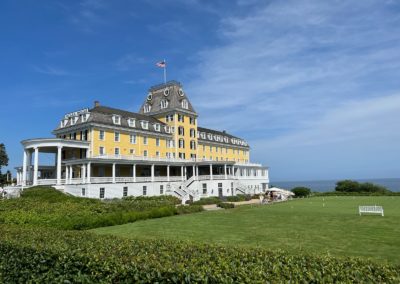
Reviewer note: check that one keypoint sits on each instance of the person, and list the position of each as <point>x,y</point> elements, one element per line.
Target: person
<point>261,198</point>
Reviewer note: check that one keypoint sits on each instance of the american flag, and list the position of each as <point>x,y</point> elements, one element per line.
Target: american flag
<point>161,64</point>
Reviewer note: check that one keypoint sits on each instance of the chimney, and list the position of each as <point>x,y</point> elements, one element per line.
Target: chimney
<point>96,103</point>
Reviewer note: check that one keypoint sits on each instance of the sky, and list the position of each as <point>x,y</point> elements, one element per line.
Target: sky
<point>313,86</point>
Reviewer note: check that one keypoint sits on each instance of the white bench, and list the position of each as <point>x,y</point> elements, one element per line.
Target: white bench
<point>370,209</point>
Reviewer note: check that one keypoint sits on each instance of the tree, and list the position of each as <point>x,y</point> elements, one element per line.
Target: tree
<point>347,186</point>
<point>3,156</point>
<point>301,191</point>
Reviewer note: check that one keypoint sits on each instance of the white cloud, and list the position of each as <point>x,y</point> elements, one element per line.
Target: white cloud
<point>310,72</point>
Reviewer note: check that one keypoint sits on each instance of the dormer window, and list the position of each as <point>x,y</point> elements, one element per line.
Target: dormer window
<point>144,124</point>
<point>157,127</point>
<point>84,117</point>
<point>166,92</point>
<point>167,129</point>
<point>226,139</point>
<point>73,120</point>
<point>164,104</point>
<point>131,122</point>
<point>185,104</point>
<point>149,97</point>
<point>146,108</point>
<point>181,93</point>
<point>209,136</point>
<point>203,135</point>
<point>116,119</point>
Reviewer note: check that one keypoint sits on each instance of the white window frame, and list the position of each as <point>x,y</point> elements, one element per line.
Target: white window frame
<point>116,119</point>
<point>117,136</point>
<point>163,104</point>
<point>116,149</point>
<point>102,135</point>
<point>101,150</point>
<point>133,138</point>
<point>185,104</point>
<point>145,124</point>
<point>131,122</point>
<point>158,142</point>
<point>145,140</point>
<point>146,108</point>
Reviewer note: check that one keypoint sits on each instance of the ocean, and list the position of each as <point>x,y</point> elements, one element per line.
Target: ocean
<point>392,184</point>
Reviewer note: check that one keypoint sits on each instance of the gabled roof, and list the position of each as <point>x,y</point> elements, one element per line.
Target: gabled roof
<point>172,93</point>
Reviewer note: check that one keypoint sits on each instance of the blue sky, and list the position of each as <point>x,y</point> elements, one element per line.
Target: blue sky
<point>313,86</point>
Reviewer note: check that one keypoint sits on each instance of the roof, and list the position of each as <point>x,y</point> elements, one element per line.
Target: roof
<point>216,136</point>
<point>171,93</point>
<point>104,115</point>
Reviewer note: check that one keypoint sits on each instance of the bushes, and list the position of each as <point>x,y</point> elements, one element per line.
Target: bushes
<point>239,197</point>
<point>226,205</point>
<point>47,207</point>
<point>301,191</point>
<point>41,256</point>
<point>182,209</point>
<point>354,186</point>
<point>207,201</point>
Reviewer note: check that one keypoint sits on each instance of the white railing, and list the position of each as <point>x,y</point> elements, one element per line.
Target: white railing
<point>46,181</point>
<point>175,178</point>
<point>205,177</point>
<point>124,179</point>
<point>218,176</point>
<point>100,179</point>
<point>189,181</point>
<point>143,179</point>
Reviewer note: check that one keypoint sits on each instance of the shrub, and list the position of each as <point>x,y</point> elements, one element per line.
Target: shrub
<point>226,205</point>
<point>207,201</point>
<point>354,186</point>
<point>301,191</point>
<point>182,209</point>
<point>47,255</point>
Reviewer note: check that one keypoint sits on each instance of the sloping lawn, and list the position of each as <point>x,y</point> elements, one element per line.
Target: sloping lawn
<point>329,225</point>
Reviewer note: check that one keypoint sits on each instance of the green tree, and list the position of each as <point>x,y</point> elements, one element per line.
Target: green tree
<point>3,156</point>
<point>347,186</point>
<point>301,191</point>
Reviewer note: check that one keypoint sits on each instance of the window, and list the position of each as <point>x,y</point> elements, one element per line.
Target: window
<point>204,188</point>
<point>181,130</point>
<point>132,138</point>
<point>102,192</point>
<point>101,135</point>
<point>101,150</point>
<point>192,120</point>
<point>116,119</point>
<point>172,129</point>
<point>181,143</point>
<point>193,145</point>
<point>145,153</point>
<point>182,155</point>
<point>167,129</point>
<point>157,127</point>
<point>181,118</point>
<point>170,143</point>
<point>74,136</point>
<point>116,136</point>
<point>144,190</point>
<point>164,104</point>
<point>83,191</point>
<point>211,149</point>
<point>131,122</point>
<point>84,135</point>
<point>116,151</point>
<point>157,141</point>
<point>125,191</point>
<point>185,104</point>
<point>145,124</point>
<point>216,149</point>
<point>193,156</point>
<point>146,108</point>
<point>157,154</point>
<point>169,117</point>
<point>161,189</point>
<point>145,140</point>
<point>132,151</point>
<point>192,133</point>
<point>204,148</point>
<point>84,117</point>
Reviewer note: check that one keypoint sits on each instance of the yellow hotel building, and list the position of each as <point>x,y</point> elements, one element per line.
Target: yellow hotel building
<point>105,152</point>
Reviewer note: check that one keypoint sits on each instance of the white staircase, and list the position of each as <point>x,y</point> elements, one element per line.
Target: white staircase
<point>241,188</point>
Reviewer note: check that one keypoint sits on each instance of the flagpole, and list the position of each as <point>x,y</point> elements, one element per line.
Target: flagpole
<point>165,72</point>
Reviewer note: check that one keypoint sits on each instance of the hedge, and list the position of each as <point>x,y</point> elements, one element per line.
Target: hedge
<point>48,255</point>
<point>47,207</point>
<point>226,205</point>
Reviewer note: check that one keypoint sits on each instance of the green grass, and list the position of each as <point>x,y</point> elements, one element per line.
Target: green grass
<point>329,225</point>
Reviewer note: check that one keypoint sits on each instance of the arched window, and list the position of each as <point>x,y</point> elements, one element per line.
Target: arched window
<point>164,104</point>
<point>146,108</point>
<point>185,104</point>
<point>193,145</point>
<point>181,130</point>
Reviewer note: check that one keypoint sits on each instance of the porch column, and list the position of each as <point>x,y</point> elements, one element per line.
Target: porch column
<point>113,173</point>
<point>66,174</point>
<point>24,165</point>
<point>182,173</point>
<point>233,171</point>
<point>185,173</point>
<point>194,172</point>
<point>211,173</point>
<point>71,173</point>
<point>83,172</point>
<point>59,165</point>
<point>134,172</point>
<point>152,172</point>
<point>89,165</point>
<point>29,165</point>
<point>167,172</point>
<point>36,166</point>
<point>226,175</point>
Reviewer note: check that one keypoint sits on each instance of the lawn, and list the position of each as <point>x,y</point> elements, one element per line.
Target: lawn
<point>329,225</point>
